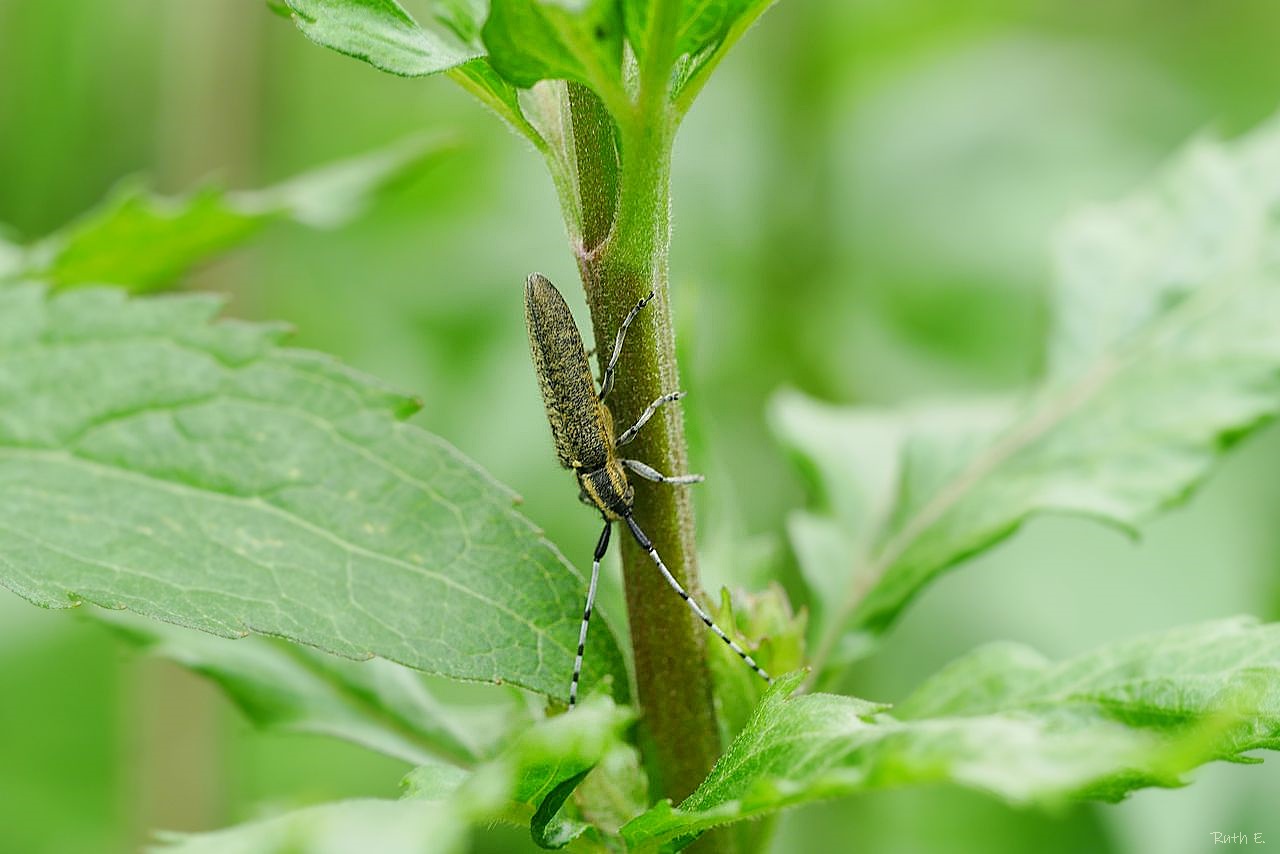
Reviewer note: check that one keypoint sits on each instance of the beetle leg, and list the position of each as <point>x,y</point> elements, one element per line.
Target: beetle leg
<point>606,381</point>
<point>648,472</point>
<point>630,432</point>
<point>602,545</point>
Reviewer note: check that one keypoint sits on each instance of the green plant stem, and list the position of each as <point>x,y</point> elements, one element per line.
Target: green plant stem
<point>672,676</point>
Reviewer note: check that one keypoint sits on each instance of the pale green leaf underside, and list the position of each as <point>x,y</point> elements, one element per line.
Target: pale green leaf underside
<point>290,688</point>
<point>197,473</point>
<point>1005,721</point>
<point>441,803</point>
<point>1163,681</point>
<point>384,35</point>
<point>388,827</point>
<point>12,256</point>
<point>1165,351</point>
<point>142,241</point>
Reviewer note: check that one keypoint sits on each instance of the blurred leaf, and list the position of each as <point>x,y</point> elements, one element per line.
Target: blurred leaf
<point>289,688</point>
<point>384,35</point>
<point>851,457</point>
<point>333,195</point>
<point>764,625</point>
<point>1165,352</point>
<point>11,256</point>
<point>531,780</point>
<point>387,827</point>
<point>199,474</point>
<point>581,40</point>
<point>144,242</point>
<point>823,550</point>
<point>1003,720</point>
<point>616,790</point>
<point>440,802</point>
<point>433,781</point>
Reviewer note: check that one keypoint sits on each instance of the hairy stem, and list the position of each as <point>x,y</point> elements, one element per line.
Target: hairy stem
<point>671,671</point>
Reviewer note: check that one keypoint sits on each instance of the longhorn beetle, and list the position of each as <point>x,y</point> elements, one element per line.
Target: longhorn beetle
<point>582,427</point>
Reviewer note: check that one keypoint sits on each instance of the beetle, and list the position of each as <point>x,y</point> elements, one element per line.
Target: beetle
<point>586,443</point>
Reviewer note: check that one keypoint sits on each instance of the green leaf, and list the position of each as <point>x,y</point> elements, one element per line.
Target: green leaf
<point>480,79</point>
<point>580,40</point>
<point>616,791</point>
<point>764,625</point>
<point>1165,352</point>
<point>288,688</point>
<point>531,780</point>
<point>541,758</point>
<point>708,29</point>
<point>547,827</point>
<point>1165,681</point>
<point>144,242</point>
<point>700,24</point>
<point>1007,722</point>
<point>200,474</point>
<point>388,827</point>
<point>11,256</point>
<point>383,34</point>
<point>851,459</point>
<point>440,802</point>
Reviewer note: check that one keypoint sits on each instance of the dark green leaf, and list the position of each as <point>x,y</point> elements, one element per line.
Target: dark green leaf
<point>200,474</point>
<point>548,828</point>
<point>581,40</point>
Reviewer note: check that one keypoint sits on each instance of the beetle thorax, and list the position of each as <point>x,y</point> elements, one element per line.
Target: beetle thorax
<point>608,489</point>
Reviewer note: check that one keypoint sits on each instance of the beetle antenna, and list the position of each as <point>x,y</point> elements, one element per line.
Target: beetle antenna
<point>647,545</point>
<point>601,547</point>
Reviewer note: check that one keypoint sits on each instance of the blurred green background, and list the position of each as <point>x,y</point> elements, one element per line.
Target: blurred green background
<point>864,201</point>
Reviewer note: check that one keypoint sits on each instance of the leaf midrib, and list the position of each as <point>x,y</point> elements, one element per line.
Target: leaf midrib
<point>1056,408</point>
<point>256,503</point>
